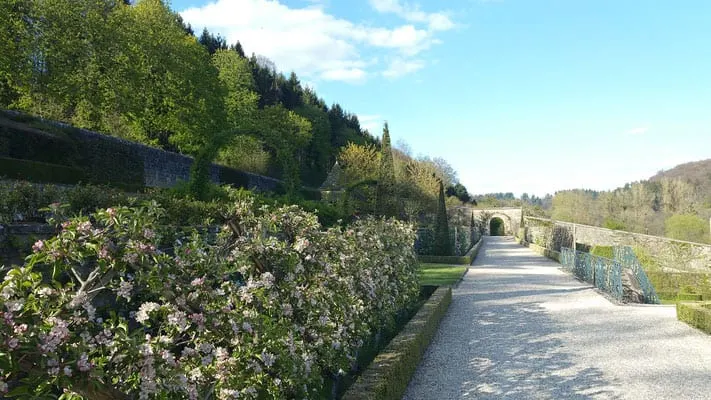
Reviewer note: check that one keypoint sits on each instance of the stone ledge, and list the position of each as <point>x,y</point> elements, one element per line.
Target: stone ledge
<point>387,377</point>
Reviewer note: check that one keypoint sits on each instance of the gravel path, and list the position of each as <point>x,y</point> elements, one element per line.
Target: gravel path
<point>520,328</point>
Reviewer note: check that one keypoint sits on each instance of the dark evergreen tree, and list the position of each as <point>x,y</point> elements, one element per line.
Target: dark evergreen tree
<point>442,246</point>
<point>292,93</point>
<point>238,48</point>
<point>385,202</point>
<point>459,191</point>
<point>212,43</point>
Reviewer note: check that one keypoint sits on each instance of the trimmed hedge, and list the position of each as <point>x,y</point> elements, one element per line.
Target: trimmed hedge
<point>102,159</point>
<point>466,259</point>
<point>389,374</point>
<point>552,254</point>
<point>697,315</point>
<point>676,282</point>
<point>603,251</point>
<point>233,177</point>
<point>18,141</point>
<point>37,171</point>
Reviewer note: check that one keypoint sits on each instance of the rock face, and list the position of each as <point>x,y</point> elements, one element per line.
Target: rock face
<point>631,290</point>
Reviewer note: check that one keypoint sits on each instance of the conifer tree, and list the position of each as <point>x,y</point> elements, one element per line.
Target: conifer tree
<point>385,196</point>
<point>442,246</point>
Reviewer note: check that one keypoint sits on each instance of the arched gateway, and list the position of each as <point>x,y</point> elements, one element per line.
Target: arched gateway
<point>505,221</point>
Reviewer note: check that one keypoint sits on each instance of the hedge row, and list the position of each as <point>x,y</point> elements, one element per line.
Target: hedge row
<point>697,315</point>
<point>389,374</point>
<point>551,254</point>
<point>687,282</point>
<point>466,259</point>
<point>38,171</point>
<point>17,141</point>
<point>95,158</point>
<point>671,295</point>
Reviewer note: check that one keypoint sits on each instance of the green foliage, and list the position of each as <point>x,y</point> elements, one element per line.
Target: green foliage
<point>687,227</point>
<point>286,134</point>
<point>17,141</point>
<point>137,71</point>
<point>109,276</point>
<point>319,151</point>
<point>645,259</point>
<point>459,191</point>
<point>388,375</point>
<point>440,275</point>
<point>22,201</point>
<point>245,153</point>
<point>675,283</point>
<point>328,214</point>
<point>101,161</point>
<point>38,171</point>
<point>611,223</point>
<point>603,251</point>
<point>386,202</point>
<point>497,227</point>
<point>442,245</point>
<point>466,259</point>
<point>697,315</point>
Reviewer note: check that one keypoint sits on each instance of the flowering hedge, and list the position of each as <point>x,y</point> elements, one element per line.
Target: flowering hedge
<point>116,307</point>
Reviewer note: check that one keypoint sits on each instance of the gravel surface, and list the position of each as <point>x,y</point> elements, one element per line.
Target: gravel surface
<point>520,328</point>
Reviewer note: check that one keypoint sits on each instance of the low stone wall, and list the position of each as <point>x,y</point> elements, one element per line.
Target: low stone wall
<point>654,252</point>
<point>387,377</point>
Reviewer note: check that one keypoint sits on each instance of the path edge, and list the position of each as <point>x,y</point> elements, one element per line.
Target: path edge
<point>387,377</point>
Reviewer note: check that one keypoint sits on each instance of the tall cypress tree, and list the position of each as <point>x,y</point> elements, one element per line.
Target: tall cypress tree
<point>442,246</point>
<point>385,204</point>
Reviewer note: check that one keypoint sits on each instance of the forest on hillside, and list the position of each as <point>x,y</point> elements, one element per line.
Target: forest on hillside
<point>674,203</point>
<point>136,70</point>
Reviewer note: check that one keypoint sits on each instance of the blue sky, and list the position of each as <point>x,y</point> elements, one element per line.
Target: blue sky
<point>518,95</point>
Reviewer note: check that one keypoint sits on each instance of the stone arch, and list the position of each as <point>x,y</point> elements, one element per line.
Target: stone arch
<point>497,227</point>
<point>507,223</point>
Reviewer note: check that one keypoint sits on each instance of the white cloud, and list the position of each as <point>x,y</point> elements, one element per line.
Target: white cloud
<point>373,123</point>
<point>399,67</point>
<point>315,44</point>
<point>637,131</point>
<point>436,21</point>
<point>344,74</point>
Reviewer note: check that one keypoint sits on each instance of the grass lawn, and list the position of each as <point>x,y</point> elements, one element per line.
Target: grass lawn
<point>440,274</point>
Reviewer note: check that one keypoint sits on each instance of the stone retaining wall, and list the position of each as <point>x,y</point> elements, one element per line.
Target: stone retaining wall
<point>654,252</point>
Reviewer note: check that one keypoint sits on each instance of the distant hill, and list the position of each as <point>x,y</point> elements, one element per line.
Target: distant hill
<point>697,173</point>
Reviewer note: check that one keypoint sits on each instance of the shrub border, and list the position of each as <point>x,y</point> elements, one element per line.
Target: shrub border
<point>466,259</point>
<point>389,374</point>
<point>697,315</point>
<point>551,254</point>
<point>38,171</point>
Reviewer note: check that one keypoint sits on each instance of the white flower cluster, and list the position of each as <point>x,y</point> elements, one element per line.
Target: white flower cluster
<point>265,312</point>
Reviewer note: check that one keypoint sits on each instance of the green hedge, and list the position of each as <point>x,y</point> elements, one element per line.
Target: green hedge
<point>233,177</point>
<point>466,259</point>
<point>17,141</point>
<point>103,160</point>
<point>389,374</point>
<point>697,315</point>
<point>552,254</point>
<point>688,282</point>
<point>37,171</point>
<point>603,251</point>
